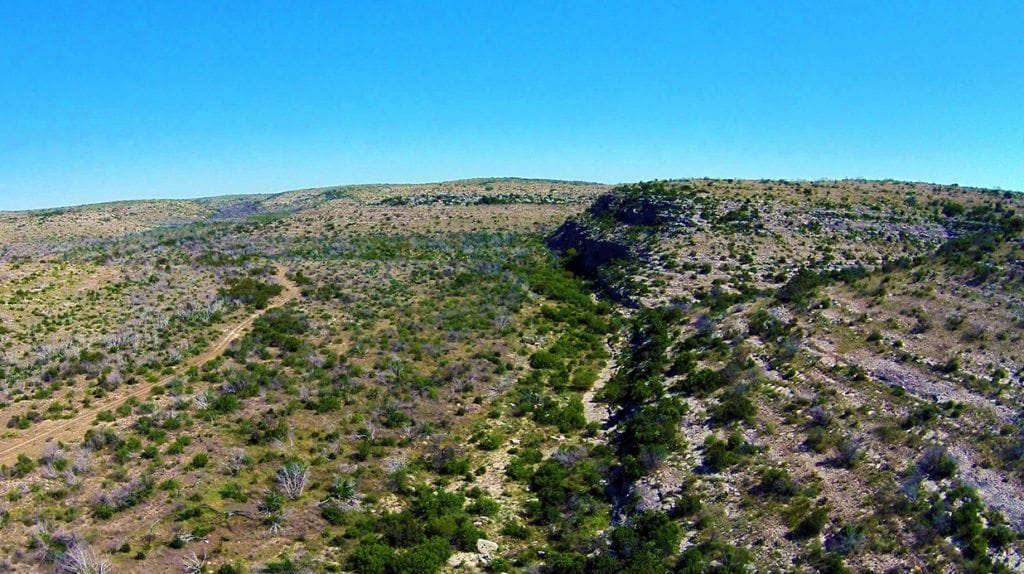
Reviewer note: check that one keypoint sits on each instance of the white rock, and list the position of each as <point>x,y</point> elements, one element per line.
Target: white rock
<point>486,547</point>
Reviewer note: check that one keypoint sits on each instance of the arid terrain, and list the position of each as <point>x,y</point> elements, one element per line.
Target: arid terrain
<point>506,375</point>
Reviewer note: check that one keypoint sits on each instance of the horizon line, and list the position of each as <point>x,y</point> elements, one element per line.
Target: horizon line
<point>495,178</point>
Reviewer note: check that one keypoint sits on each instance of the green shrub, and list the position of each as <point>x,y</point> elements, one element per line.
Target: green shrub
<point>583,379</point>
<point>812,523</point>
<point>425,558</point>
<point>233,491</point>
<point>719,454</point>
<point>777,483</point>
<point>515,530</point>
<point>714,557</point>
<point>332,514</point>
<point>735,405</point>
<point>544,360</point>
<point>820,440</point>
<point>200,460</point>
<point>103,511</point>
<point>485,507</point>
<point>937,463</point>
<point>567,563</point>
<point>23,466</point>
<point>650,434</point>
<point>251,291</point>
<point>701,382</point>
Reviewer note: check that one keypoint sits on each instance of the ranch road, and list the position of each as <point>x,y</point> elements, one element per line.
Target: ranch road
<point>72,430</point>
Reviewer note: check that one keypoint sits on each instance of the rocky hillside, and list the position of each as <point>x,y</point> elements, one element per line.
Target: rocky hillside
<point>841,360</point>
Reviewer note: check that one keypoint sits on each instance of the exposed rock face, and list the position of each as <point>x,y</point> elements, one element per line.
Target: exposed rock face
<point>597,240</point>
<point>589,254</point>
<point>239,210</point>
<point>644,211</point>
<point>634,211</point>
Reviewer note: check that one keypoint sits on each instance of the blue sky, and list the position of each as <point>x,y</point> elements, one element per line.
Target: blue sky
<point>114,100</point>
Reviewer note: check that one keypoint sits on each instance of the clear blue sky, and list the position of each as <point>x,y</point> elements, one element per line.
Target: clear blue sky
<point>111,100</point>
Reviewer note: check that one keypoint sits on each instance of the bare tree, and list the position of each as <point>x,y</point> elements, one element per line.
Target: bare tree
<point>193,564</point>
<point>82,461</point>
<point>292,478</point>
<point>80,559</point>
<point>235,461</point>
<point>51,452</point>
<point>202,401</point>
<point>275,523</point>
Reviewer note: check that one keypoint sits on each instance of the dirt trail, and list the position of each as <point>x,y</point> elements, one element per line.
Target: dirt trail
<point>593,410</point>
<point>71,430</point>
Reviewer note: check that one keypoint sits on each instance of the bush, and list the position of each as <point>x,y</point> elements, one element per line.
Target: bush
<point>544,360</point>
<point>802,287</point>
<point>371,558</point>
<point>848,539</point>
<point>657,533</point>
<point>719,454</point>
<point>567,563</point>
<point>922,415</point>
<point>485,507</point>
<point>1000,535</point>
<point>565,488</point>
<point>103,511</point>
<point>688,505</point>
<point>820,440</point>
<point>232,491</point>
<point>766,326</point>
<point>683,363</point>
<point>849,453</point>
<point>650,434</point>
<point>489,441</point>
<point>701,382</point>
<point>812,523</point>
<point>735,405</point>
<point>23,466</point>
<point>777,483</point>
<point>937,463</point>
<point>400,530</point>
<point>583,379</point>
<point>515,530</point>
<point>424,558</point>
<point>455,465</point>
<point>714,557</point>
<point>332,514</point>
<point>251,291</point>
<point>200,460</point>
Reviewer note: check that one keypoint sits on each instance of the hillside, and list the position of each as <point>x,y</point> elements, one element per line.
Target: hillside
<point>517,375</point>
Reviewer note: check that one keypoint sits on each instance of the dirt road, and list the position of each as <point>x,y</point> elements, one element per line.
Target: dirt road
<point>71,430</point>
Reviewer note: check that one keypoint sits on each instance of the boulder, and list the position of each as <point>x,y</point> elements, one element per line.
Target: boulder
<point>486,547</point>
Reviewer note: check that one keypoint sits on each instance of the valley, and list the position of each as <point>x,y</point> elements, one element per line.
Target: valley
<point>513,375</point>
